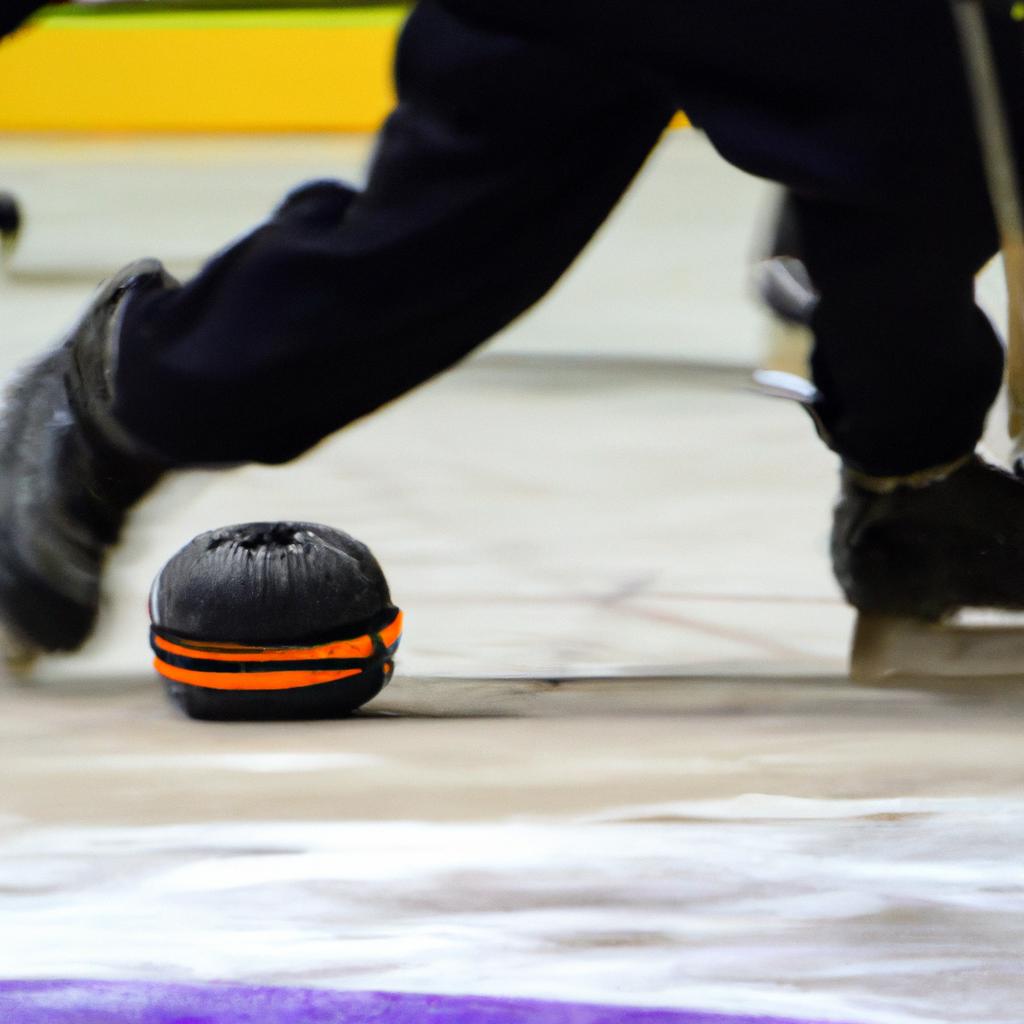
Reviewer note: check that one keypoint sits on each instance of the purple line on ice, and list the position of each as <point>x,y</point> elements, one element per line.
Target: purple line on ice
<point>115,1002</point>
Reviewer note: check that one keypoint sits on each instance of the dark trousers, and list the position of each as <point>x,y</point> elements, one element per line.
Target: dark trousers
<point>14,12</point>
<point>518,126</point>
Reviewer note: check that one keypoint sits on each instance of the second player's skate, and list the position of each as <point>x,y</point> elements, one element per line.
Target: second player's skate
<point>912,553</point>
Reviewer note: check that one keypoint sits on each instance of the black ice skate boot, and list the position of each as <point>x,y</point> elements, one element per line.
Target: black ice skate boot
<point>911,552</point>
<point>68,475</point>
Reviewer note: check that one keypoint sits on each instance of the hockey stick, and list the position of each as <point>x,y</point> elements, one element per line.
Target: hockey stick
<point>1003,185</point>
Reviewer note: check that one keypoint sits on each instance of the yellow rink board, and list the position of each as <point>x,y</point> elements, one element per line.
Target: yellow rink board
<point>201,71</point>
<point>263,70</point>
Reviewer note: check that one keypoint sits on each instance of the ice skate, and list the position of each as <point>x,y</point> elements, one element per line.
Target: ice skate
<point>914,555</point>
<point>68,475</point>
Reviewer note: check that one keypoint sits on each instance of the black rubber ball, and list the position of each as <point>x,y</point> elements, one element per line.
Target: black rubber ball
<point>273,620</point>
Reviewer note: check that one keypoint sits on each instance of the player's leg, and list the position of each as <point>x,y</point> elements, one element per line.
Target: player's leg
<point>503,157</point>
<point>876,142</point>
<point>907,367</point>
<point>905,362</point>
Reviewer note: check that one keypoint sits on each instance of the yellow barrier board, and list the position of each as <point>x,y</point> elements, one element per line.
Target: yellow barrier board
<point>258,70</point>
<point>201,71</point>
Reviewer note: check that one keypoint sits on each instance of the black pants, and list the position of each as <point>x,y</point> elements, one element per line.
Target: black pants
<point>519,124</point>
<point>14,12</point>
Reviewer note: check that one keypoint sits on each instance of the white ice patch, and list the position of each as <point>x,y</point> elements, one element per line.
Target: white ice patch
<point>884,911</point>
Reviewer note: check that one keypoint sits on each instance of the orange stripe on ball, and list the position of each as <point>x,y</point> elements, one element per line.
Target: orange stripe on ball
<point>361,647</point>
<point>251,680</point>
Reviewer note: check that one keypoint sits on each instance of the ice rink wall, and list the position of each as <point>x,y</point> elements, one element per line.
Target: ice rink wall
<point>120,68</point>
<point>193,67</point>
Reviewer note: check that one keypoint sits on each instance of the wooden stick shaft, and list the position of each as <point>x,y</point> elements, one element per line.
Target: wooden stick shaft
<point>1004,189</point>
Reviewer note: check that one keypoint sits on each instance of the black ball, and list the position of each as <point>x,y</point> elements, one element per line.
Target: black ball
<point>271,621</point>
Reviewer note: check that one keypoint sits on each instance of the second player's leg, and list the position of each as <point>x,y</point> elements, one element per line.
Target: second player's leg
<point>874,134</point>
<point>906,363</point>
<point>500,161</point>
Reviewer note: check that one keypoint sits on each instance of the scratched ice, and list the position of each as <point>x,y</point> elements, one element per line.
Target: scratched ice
<point>874,910</point>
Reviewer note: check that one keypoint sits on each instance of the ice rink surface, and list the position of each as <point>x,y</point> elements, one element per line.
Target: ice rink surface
<point>621,761</point>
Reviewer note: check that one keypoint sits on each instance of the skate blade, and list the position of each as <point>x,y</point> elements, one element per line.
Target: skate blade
<point>892,649</point>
